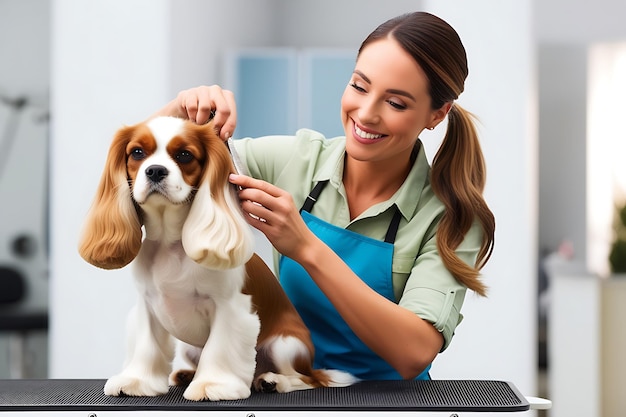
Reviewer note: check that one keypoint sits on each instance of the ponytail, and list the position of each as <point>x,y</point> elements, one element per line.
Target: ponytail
<point>458,180</point>
<point>458,172</point>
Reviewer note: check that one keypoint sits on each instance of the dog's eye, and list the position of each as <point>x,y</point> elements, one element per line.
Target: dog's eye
<point>184,157</point>
<point>137,154</point>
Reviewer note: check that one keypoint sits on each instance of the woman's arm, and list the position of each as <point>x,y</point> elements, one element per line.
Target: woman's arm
<point>407,342</point>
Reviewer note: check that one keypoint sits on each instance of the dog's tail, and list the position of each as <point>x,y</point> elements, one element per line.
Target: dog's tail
<point>285,364</point>
<point>332,378</point>
<point>320,377</point>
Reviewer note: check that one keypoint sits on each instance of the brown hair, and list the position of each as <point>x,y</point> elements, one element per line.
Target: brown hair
<point>458,171</point>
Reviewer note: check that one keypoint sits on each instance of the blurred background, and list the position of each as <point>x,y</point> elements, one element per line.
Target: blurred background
<point>547,81</point>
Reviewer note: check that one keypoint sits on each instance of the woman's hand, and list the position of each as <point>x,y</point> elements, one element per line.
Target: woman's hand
<point>205,103</point>
<point>272,211</point>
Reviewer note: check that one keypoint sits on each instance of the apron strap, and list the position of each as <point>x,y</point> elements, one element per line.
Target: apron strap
<point>392,231</point>
<point>313,195</point>
<point>311,199</point>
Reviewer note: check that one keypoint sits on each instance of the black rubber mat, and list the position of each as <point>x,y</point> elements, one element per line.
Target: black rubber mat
<point>437,395</point>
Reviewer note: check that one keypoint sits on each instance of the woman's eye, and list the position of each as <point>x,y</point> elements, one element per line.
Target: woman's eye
<point>357,87</point>
<point>184,157</point>
<point>396,105</point>
<point>137,154</point>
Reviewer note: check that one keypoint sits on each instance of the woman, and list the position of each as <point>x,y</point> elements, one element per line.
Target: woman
<point>376,248</point>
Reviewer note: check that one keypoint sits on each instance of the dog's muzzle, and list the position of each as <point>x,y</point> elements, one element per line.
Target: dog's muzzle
<point>156,173</point>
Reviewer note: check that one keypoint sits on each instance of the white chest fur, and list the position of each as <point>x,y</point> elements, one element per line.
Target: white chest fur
<point>182,295</point>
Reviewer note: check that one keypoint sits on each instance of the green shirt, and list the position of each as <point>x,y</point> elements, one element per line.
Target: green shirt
<point>421,282</point>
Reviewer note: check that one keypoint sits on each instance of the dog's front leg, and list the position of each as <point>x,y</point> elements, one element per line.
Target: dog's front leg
<point>150,351</point>
<point>228,359</point>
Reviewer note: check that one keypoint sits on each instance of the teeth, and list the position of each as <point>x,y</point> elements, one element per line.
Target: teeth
<point>366,135</point>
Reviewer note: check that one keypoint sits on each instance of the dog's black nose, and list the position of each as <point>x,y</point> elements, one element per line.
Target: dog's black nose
<point>156,173</point>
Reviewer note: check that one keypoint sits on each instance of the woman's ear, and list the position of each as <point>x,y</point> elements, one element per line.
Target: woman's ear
<point>111,236</point>
<point>438,115</point>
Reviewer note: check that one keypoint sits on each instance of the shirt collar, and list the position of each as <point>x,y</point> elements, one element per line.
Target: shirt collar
<point>407,196</point>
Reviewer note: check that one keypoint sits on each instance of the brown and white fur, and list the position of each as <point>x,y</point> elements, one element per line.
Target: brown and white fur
<point>198,279</point>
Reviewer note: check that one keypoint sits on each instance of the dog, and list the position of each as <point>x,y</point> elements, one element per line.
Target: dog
<point>164,203</point>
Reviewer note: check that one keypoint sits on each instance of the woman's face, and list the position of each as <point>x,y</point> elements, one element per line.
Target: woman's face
<point>386,105</point>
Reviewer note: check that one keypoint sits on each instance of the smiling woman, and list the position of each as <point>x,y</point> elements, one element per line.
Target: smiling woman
<point>375,249</point>
<point>384,108</point>
<point>458,176</point>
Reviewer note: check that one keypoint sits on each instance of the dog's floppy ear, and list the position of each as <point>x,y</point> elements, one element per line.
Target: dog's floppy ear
<point>111,236</point>
<point>215,233</point>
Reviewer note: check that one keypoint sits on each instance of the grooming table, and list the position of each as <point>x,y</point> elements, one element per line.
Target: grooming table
<point>80,397</point>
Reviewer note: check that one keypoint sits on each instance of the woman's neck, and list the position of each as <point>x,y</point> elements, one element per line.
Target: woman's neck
<point>368,183</point>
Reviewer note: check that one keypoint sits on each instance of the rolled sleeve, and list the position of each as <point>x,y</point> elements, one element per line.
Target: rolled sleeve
<point>432,292</point>
<point>441,309</point>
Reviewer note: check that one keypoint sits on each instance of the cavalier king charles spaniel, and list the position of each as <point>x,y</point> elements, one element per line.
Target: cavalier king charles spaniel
<point>164,201</point>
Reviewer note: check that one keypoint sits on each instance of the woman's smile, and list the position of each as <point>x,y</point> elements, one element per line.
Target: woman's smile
<point>366,136</point>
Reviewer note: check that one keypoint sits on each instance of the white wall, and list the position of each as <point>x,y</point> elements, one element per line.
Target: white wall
<point>579,21</point>
<point>201,31</point>
<point>332,23</point>
<point>23,48</point>
<point>562,148</point>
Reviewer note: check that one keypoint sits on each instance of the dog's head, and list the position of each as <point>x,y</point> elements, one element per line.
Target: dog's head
<point>167,161</point>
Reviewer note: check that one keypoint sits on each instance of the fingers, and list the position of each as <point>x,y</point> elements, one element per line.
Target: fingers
<point>206,103</point>
<point>225,119</point>
<point>249,183</point>
<point>256,211</point>
<point>262,201</point>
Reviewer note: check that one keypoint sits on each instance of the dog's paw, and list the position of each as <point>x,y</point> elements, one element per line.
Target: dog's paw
<point>271,382</point>
<point>182,377</point>
<point>216,391</point>
<point>135,387</point>
<point>265,383</point>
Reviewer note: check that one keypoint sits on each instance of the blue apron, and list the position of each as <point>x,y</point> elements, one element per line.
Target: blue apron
<point>336,345</point>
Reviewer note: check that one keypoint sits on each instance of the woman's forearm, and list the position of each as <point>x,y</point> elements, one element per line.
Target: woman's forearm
<point>407,342</point>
